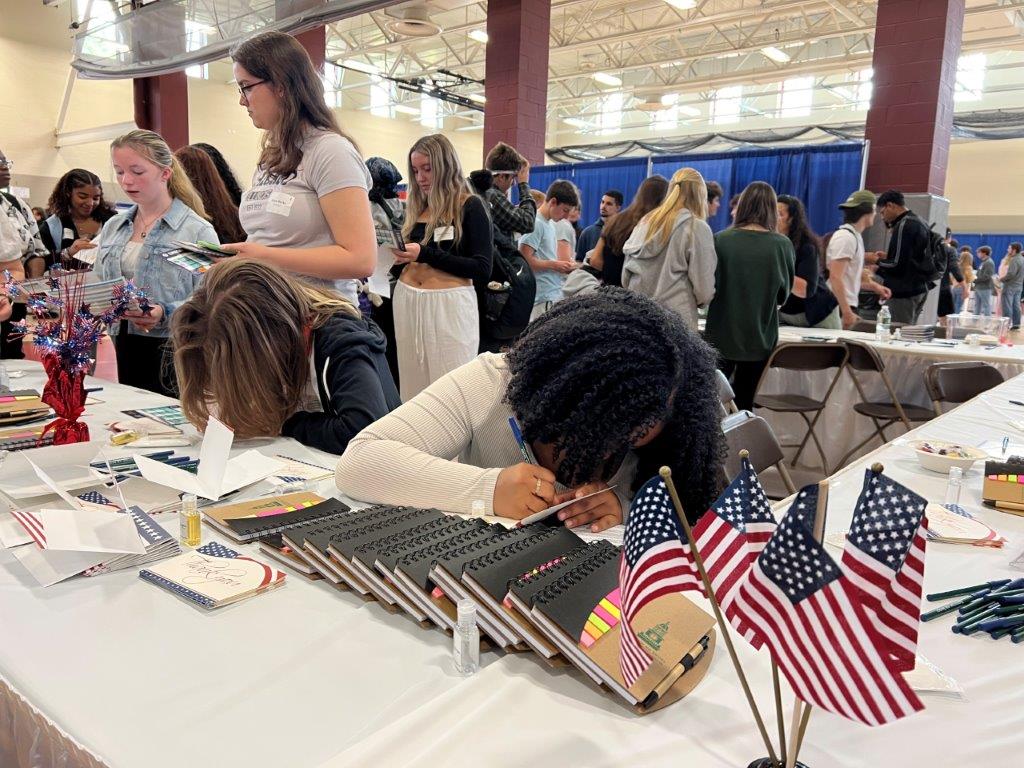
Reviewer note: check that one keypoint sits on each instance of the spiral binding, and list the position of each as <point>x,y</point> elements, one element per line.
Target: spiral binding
<point>579,574</point>
<point>258,531</point>
<point>391,539</point>
<point>512,535</point>
<point>355,516</point>
<point>403,514</point>
<point>497,555</point>
<point>569,560</point>
<point>456,543</point>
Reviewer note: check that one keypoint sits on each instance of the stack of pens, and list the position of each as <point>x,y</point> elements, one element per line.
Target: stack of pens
<point>124,467</point>
<point>996,607</point>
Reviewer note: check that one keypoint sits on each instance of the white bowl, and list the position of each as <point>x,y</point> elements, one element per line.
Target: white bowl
<point>936,462</point>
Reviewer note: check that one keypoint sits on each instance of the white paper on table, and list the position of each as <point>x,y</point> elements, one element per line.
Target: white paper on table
<point>72,530</point>
<point>925,677</point>
<point>52,485</point>
<point>216,475</point>
<point>51,566</point>
<point>12,533</point>
<point>67,466</point>
<point>378,281</point>
<point>545,513</point>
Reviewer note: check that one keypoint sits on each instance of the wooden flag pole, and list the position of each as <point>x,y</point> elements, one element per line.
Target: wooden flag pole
<point>795,730</point>
<point>666,475</point>
<point>779,719</point>
<point>803,728</point>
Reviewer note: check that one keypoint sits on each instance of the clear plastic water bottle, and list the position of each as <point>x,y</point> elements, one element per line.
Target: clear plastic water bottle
<point>954,485</point>
<point>466,640</point>
<point>882,324</point>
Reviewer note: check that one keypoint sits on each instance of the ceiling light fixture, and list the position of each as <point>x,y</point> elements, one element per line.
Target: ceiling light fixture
<point>576,122</point>
<point>775,54</point>
<point>669,99</point>
<point>682,5</point>
<point>479,35</point>
<point>605,79</point>
<point>477,97</point>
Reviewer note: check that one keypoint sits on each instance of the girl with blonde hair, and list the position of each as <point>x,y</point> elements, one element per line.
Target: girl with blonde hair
<point>272,355</point>
<point>448,244</point>
<point>166,208</point>
<point>671,254</point>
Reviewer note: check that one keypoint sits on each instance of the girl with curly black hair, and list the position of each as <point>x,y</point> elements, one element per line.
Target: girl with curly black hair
<point>607,388</point>
<point>79,212</point>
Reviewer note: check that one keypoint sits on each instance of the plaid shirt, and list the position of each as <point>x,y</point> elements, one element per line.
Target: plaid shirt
<point>511,218</point>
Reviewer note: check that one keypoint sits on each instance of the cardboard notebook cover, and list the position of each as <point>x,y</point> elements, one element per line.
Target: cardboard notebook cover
<point>585,605</point>
<point>274,547</point>
<point>254,519</point>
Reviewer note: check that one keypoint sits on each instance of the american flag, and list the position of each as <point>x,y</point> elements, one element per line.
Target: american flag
<point>884,559</point>
<point>730,536</point>
<point>654,563</point>
<point>809,615</point>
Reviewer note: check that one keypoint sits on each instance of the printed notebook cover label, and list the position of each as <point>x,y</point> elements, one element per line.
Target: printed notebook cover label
<point>213,575</point>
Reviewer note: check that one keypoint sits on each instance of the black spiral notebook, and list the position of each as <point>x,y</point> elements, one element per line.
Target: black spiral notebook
<point>342,546</point>
<point>447,529</point>
<point>247,529</point>
<point>446,573</point>
<point>412,571</point>
<point>486,579</point>
<point>523,589</point>
<point>302,538</point>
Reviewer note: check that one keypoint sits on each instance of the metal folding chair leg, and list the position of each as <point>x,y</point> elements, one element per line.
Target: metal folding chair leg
<point>879,433</point>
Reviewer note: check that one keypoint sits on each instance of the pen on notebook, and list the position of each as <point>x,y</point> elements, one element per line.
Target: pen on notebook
<point>524,449</point>
<point>1006,444</point>
<point>1015,402</point>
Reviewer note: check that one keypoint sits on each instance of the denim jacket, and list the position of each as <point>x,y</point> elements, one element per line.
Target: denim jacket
<point>163,282</point>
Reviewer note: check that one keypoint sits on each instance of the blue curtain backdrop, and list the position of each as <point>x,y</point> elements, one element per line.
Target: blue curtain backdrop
<point>821,176</point>
<point>998,244</point>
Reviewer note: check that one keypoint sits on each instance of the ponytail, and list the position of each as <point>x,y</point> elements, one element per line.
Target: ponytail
<point>180,187</point>
<point>152,146</point>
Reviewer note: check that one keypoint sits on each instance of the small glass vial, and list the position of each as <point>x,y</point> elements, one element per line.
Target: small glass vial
<point>294,485</point>
<point>466,640</point>
<point>954,486</point>
<point>190,531</point>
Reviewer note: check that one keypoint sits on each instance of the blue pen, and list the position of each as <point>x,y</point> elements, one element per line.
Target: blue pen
<point>523,447</point>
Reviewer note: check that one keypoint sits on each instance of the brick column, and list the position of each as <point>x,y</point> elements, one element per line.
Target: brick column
<point>517,75</point>
<point>917,45</point>
<point>161,105</point>
<point>315,43</point>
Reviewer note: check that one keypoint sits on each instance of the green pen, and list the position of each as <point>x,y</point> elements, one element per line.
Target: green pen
<point>967,590</point>
<point>971,625</point>
<point>945,609</point>
<point>1017,635</point>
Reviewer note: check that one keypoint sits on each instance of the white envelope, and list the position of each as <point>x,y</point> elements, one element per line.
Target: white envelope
<point>216,475</point>
<point>66,465</point>
<point>12,533</point>
<point>90,531</point>
<point>51,566</point>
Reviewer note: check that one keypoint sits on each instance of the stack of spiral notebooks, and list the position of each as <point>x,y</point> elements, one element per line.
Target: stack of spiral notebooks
<point>537,587</point>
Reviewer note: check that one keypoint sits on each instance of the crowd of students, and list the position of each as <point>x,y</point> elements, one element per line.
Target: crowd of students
<point>488,311</point>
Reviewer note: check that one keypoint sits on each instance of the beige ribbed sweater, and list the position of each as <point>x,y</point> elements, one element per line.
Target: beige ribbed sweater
<point>445,448</point>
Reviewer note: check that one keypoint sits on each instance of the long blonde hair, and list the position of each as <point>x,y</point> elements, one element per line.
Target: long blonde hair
<point>242,342</point>
<point>152,147</point>
<point>448,189</point>
<point>686,190</point>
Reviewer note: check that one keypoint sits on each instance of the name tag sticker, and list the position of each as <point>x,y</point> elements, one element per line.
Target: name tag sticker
<point>444,233</point>
<point>69,234</point>
<point>280,203</point>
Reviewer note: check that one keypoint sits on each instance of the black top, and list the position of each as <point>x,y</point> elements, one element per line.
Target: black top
<point>67,224</point>
<point>808,268</point>
<point>353,381</point>
<point>899,270</point>
<point>471,255</point>
<point>614,259</point>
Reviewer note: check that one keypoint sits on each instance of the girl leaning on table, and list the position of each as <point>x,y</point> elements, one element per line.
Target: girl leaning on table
<point>272,355</point>
<point>307,210</point>
<point>448,247</point>
<point>607,387</point>
<point>166,208</point>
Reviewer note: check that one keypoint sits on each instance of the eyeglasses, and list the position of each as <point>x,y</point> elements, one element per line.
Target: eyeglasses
<point>243,90</point>
<point>5,163</point>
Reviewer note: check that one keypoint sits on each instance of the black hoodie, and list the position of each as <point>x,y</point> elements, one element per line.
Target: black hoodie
<point>353,381</point>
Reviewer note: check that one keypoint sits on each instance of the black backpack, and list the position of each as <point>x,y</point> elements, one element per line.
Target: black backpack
<point>508,297</point>
<point>931,264</point>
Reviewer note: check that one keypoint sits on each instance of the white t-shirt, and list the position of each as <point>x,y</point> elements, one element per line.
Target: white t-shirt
<point>846,244</point>
<point>286,213</point>
<point>564,231</point>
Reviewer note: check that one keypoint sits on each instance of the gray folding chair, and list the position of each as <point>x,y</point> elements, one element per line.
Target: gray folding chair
<point>725,393</point>
<point>746,432</point>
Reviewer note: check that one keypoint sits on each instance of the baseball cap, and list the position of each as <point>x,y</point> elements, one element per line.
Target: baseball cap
<point>858,198</point>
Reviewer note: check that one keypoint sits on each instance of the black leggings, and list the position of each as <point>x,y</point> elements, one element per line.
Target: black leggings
<point>744,375</point>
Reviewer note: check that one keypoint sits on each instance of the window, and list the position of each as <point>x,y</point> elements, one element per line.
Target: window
<point>970,77</point>
<point>430,113</point>
<point>725,107</point>
<point>333,77</point>
<point>610,119</point>
<point>795,97</point>
<point>381,97</point>
<point>196,38</point>
<point>864,88</point>
<point>102,42</point>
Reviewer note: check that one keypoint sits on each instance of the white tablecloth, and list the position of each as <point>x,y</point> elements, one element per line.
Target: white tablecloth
<point>840,428</point>
<point>307,676</point>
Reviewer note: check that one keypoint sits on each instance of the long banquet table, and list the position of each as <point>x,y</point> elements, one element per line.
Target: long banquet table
<point>840,428</point>
<point>127,676</point>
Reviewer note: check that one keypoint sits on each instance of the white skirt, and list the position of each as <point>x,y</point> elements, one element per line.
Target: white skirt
<point>436,331</point>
